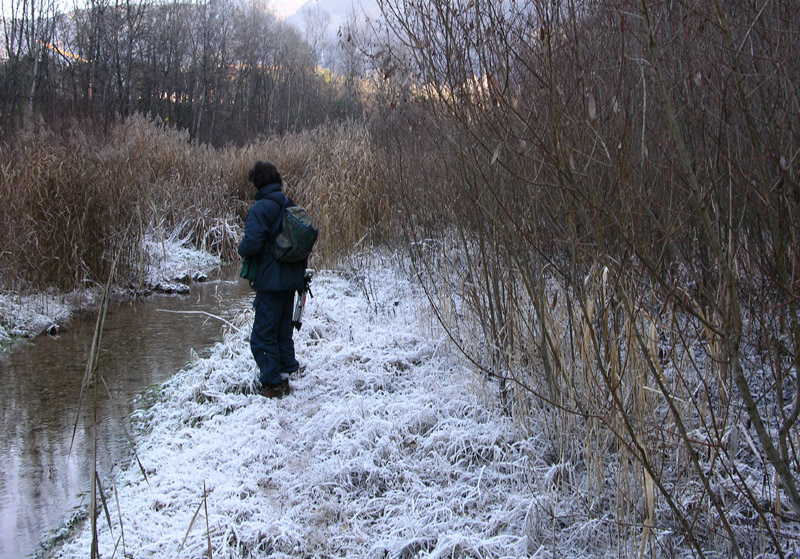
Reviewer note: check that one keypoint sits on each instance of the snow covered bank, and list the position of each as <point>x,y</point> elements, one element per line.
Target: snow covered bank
<point>171,265</point>
<point>382,450</point>
<point>26,315</point>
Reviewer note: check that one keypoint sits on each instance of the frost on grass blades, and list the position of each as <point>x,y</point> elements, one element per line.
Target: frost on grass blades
<point>382,450</point>
<point>22,316</point>
<point>173,263</point>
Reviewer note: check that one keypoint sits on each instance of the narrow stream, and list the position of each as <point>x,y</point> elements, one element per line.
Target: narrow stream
<point>41,481</point>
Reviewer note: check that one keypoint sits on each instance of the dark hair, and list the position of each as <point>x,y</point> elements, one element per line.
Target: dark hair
<point>264,173</point>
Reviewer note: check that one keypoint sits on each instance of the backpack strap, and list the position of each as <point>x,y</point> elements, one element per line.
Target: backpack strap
<point>282,202</point>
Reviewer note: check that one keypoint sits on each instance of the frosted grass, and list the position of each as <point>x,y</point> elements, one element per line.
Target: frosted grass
<point>28,315</point>
<point>382,450</point>
<point>172,261</point>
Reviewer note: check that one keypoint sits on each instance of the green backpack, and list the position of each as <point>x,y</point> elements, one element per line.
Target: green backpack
<point>296,235</point>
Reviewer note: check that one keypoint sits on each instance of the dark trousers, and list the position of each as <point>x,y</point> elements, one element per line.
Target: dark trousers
<point>271,340</point>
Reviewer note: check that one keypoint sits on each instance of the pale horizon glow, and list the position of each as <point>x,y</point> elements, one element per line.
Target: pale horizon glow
<point>285,8</point>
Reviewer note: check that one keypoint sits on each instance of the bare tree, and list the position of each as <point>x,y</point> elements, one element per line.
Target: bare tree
<point>224,71</point>
<point>317,23</point>
<point>28,30</point>
<point>623,180</point>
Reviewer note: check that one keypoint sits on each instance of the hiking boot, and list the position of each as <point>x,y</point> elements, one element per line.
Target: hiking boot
<point>276,391</point>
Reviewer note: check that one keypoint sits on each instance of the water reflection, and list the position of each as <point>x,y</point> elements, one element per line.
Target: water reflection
<point>41,481</point>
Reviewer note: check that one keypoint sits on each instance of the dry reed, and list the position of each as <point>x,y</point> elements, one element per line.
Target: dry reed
<point>616,265</point>
<point>68,196</point>
<point>335,173</point>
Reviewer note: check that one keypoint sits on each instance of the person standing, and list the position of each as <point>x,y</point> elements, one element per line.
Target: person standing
<point>275,283</point>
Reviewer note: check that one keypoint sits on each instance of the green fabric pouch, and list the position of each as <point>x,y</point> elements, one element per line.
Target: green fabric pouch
<point>249,268</point>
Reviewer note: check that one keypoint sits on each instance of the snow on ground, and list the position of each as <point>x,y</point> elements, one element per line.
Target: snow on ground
<point>25,315</point>
<point>383,449</point>
<point>172,263</point>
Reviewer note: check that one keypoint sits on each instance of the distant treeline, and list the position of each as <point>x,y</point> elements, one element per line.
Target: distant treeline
<point>225,71</point>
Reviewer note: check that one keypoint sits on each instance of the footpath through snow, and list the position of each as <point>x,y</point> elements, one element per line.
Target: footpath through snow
<point>382,450</point>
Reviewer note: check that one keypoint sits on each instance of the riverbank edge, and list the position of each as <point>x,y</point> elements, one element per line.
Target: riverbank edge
<point>173,267</point>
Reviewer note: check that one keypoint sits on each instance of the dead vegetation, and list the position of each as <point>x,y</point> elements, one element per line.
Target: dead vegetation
<point>611,237</point>
<point>70,196</point>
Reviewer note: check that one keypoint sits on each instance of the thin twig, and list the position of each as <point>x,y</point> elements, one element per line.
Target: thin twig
<point>206,314</point>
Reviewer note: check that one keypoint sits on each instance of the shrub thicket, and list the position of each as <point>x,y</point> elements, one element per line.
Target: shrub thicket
<point>620,179</point>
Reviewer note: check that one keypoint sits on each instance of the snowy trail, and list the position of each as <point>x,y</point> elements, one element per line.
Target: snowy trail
<point>382,450</point>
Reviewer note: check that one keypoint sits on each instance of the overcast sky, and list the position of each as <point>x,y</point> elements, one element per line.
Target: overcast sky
<point>286,7</point>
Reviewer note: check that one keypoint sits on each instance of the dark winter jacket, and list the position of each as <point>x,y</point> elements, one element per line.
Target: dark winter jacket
<point>260,230</point>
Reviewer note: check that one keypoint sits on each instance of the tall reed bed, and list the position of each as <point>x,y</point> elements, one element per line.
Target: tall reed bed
<point>64,210</point>
<point>69,196</point>
<point>338,176</point>
<point>186,189</point>
<point>649,440</point>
